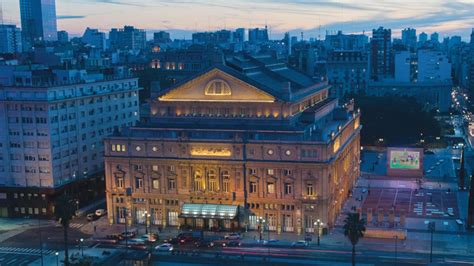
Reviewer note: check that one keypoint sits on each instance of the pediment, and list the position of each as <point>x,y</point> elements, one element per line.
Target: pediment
<point>217,86</point>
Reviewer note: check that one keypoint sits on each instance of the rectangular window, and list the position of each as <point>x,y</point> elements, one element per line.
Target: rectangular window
<point>154,168</point>
<point>309,190</point>
<point>155,183</point>
<point>288,189</point>
<point>138,182</point>
<point>271,188</point>
<point>226,186</point>
<point>171,184</point>
<point>213,185</point>
<point>270,171</point>
<point>119,182</point>
<point>253,187</point>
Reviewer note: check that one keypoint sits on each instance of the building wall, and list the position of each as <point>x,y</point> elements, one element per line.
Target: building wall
<point>54,135</point>
<point>329,168</point>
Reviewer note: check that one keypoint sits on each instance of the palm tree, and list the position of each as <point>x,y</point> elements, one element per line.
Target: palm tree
<point>354,229</point>
<point>64,211</point>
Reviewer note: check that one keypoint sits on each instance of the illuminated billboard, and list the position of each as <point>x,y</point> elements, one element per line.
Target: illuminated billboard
<point>405,162</point>
<point>404,159</point>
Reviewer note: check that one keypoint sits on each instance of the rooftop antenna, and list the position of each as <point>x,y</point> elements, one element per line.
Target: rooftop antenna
<point>319,30</point>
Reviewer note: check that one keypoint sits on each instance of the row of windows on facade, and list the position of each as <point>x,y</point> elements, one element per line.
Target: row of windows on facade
<point>213,186</point>
<point>272,206</point>
<point>306,153</point>
<point>30,210</point>
<point>218,112</point>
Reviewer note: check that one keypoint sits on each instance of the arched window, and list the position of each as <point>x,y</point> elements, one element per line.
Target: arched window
<point>218,87</point>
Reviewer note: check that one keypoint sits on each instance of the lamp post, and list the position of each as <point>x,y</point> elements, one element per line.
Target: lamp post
<point>82,247</point>
<point>145,215</point>
<point>57,258</point>
<point>318,225</point>
<point>431,228</point>
<point>396,250</point>
<point>260,221</point>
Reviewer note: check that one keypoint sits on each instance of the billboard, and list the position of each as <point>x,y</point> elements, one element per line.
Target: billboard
<point>405,162</point>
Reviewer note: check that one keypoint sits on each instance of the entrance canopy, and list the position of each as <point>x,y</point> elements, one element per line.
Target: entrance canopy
<point>209,211</point>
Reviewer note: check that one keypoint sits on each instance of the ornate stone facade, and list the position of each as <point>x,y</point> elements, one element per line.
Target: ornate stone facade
<point>288,154</point>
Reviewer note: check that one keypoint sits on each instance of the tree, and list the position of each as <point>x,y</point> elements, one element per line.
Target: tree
<point>64,211</point>
<point>354,229</point>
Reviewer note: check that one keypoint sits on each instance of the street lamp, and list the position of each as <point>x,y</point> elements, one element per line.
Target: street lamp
<point>57,258</point>
<point>260,221</point>
<point>431,228</point>
<point>82,247</point>
<point>318,225</point>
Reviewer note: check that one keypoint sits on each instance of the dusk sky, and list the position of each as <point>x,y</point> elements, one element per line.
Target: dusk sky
<point>182,17</point>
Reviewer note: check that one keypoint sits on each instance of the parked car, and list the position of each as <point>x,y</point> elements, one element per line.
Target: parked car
<point>100,212</point>
<point>232,243</point>
<point>91,217</point>
<point>151,237</point>
<point>164,247</point>
<point>129,234</point>
<point>232,236</point>
<point>299,244</point>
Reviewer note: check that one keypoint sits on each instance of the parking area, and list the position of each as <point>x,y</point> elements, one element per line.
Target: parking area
<point>416,203</point>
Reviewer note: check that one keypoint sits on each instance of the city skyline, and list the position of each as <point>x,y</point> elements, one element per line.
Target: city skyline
<point>313,18</point>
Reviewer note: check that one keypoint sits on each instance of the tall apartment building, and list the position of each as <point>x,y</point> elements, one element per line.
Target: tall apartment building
<point>52,138</point>
<point>94,37</point>
<point>38,21</point>
<point>10,39</point>
<point>409,38</point>
<point>127,38</point>
<point>470,63</point>
<point>340,41</point>
<point>258,35</point>
<point>252,138</point>
<point>347,72</point>
<point>381,54</point>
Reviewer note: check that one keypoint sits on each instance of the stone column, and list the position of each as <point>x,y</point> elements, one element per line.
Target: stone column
<point>380,216</point>
<point>391,217</point>
<point>402,218</point>
<point>369,216</point>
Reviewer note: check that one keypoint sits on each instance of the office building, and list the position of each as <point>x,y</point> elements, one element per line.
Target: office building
<point>161,37</point>
<point>10,39</point>
<point>239,35</point>
<point>63,36</point>
<point>252,138</point>
<point>94,38</point>
<point>128,38</point>
<point>423,38</point>
<point>409,38</point>
<point>381,54</point>
<point>54,124</point>
<point>346,42</point>
<point>433,66</point>
<point>258,35</point>
<point>347,72</point>
<point>38,21</point>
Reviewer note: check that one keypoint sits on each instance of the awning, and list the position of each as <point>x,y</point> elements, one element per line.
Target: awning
<point>209,211</point>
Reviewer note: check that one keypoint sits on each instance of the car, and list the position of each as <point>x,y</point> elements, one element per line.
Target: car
<point>128,234</point>
<point>164,247</point>
<point>151,237</point>
<point>232,243</point>
<point>204,244</point>
<point>100,212</point>
<point>136,243</point>
<point>299,244</point>
<point>232,236</point>
<point>91,217</point>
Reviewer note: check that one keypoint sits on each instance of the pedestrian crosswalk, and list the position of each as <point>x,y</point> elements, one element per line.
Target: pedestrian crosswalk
<point>32,251</point>
<point>75,225</point>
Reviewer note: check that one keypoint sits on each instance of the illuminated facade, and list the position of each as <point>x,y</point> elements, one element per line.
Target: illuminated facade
<point>250,139</point>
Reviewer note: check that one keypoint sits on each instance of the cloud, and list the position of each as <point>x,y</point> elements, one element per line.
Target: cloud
<point>118,2</point>
<point>70,17</point>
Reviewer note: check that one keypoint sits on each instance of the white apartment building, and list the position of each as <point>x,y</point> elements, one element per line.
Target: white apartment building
<point>51,140</point>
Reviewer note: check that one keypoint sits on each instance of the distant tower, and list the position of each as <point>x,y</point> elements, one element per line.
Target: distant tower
<point>38,21</point>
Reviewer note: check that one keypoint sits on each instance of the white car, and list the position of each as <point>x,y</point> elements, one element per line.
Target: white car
<point>100,212</point>
<point>299,244</point>
<point>164,247</point>
<point>232,236</point>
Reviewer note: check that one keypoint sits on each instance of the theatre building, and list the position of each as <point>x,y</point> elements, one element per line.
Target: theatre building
<point>248,139</point>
